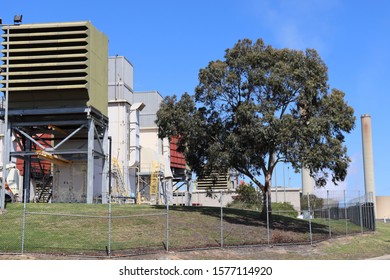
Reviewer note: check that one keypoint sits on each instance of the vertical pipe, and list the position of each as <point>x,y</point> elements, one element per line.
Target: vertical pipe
<point>105,166</point>
<point>368,160</point>
<point>308,207</point>
<point>138,182</point>
<point>109,167</point>
<point>27,171</point>
<point>109,227</point>
<point>221,233</point>
<point>90,162</point>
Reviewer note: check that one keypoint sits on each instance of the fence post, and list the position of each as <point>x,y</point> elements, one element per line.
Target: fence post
<point>24,219</point>
<point>167,221</point>
<point>268,233</point>
<point>221,220</point>
<point>327,201</point>
<point>360,214</point>
<point>345,213</point>
<point>308,207</point>
<point>109,227</point>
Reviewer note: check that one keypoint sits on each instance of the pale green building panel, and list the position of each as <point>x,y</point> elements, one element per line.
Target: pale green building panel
<point>55,65</point>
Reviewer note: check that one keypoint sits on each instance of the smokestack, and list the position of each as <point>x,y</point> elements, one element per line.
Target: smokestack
<point>307,182</point>
<point>368,160</point>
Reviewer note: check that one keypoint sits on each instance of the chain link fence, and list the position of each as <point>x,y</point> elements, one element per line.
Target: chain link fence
<point>113,229</point>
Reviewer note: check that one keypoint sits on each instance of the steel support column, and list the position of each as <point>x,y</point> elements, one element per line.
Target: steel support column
<point>27,171</point>
<point>6,153</point>
<point>90,160</point>
<point>105,166</point>
<point>7,129</point>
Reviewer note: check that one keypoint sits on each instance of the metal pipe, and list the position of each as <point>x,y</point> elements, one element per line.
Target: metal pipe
<point>109,167</point>
<point>138,183</point>
<point>27,171</point>
<point>109,227</point>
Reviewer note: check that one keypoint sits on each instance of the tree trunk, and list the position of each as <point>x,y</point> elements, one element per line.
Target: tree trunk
<point>267,199</point>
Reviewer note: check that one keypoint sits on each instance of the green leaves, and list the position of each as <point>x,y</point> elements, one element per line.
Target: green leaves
<point>260,106</point>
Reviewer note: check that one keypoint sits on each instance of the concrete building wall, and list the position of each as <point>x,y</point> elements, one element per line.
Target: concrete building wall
<point>70,180</point>
<point>69,183</point>
<point>200,198</point>
<point>383,207</point>
<point>289,195</point>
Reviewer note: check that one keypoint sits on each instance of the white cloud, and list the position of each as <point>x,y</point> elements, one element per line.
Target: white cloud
<point>297,24</point>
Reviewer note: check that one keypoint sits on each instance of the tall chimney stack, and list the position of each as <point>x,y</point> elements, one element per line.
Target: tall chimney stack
<point>307,182</point>
<point>368,160</point>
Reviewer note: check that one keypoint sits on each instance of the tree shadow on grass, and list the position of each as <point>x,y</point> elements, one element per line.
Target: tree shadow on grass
<point>253,218</point>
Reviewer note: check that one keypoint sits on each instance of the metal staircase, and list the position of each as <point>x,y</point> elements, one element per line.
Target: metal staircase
<point>44,188</point>
<point>120,184</point>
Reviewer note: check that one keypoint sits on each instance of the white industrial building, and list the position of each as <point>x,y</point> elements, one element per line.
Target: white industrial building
<point>140,160</point>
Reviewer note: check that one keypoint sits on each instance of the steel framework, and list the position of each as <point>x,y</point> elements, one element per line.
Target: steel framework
<point>50,130</point>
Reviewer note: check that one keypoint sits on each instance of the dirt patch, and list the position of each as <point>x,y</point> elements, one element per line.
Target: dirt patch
<point>232,253</point>
<point>317,251</point>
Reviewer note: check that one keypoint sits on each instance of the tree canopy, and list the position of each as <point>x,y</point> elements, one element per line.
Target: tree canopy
<point>260,106</point>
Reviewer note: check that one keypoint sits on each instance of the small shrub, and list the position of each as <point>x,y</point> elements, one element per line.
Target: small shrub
<point>284,209</point>
<point>315,202</point>
<point>248,197</point>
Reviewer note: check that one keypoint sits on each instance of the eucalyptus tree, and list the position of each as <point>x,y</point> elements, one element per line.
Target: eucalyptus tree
<point>260,106</point>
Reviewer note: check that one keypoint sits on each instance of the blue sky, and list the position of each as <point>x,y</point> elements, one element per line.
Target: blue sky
<point>169,41</point>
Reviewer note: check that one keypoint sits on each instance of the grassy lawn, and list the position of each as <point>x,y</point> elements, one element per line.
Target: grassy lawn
<point>363,247</point>
<point>83,229</point>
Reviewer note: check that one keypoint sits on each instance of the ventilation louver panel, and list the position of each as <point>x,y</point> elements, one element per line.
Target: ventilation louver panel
<point>213,181</point>
<point>54,65</point>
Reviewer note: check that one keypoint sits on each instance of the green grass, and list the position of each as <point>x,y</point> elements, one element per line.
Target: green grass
<point>81,228</point>
<point>367,246</point>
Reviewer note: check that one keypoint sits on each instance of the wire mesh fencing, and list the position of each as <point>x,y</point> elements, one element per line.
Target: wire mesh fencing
<point>124,229</point>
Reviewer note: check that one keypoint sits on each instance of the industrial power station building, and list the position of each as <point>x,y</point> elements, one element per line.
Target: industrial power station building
<point>71,114</point>
<point>75,130</point>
